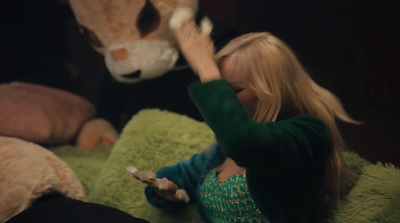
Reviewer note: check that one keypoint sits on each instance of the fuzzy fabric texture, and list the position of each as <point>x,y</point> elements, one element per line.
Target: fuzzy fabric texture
<point>150,141</point>
<point>95,132</point>
<point>42,114</point>
<point>133,35</point>
<point>28,171</point>
<point>154,138</point>
<point>184,14</point>
<point>86,164</point>
<point>375,198</point>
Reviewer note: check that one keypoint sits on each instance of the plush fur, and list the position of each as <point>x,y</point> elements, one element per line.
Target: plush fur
<point>137,42</point>
<point>27,172</point>
<point>184,14</point>
<point>94,132</point>
<point>180,16</point>
<point>42,114</point>
<point>133,35</point>
<point>154,138</point>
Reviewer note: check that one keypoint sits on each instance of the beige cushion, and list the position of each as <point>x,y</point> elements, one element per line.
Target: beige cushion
<point>28,171</point>
<point>41,114</point>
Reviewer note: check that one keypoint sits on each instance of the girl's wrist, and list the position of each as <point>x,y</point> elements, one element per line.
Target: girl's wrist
<point>209,74</point>
<point>210,77</point>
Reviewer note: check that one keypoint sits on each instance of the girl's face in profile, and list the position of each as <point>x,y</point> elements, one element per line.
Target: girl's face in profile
<point>245,94</point>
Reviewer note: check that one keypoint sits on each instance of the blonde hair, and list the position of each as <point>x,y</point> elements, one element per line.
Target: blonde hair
<point>282,85</point>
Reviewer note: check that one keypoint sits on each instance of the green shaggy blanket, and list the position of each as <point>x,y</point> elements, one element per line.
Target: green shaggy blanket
<point>154,138</point>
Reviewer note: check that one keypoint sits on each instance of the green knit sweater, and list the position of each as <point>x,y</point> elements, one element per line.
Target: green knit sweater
<point>285,160</point>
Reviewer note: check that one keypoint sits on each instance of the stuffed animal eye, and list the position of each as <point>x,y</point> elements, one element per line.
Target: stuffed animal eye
<point>148,19</point>
<point>91,37</point>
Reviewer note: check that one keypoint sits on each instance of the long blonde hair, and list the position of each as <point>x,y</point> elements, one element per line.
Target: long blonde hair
<point>282,85</point>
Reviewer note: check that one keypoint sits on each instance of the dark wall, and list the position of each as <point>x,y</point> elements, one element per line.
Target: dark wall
<point>350,47</point>
<point>32,42</point>
<point>370,32</point>
<point>40,43</point>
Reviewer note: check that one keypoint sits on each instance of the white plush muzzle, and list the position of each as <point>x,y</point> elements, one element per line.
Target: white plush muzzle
<point>146,59</point>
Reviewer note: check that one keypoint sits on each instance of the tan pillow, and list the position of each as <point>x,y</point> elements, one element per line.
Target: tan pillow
<point>29,171</point>
<point>42,114</point>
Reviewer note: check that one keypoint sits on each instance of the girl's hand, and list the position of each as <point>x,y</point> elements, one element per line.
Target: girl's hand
<point>199,51</point>
<point>168,190</point>
<point>146,180</point>
<point>162,187</point>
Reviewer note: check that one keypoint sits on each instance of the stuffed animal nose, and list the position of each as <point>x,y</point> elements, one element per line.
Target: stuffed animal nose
<point>120,54</point>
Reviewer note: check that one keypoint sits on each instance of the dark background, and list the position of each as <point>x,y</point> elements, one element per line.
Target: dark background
<point>350,47</point>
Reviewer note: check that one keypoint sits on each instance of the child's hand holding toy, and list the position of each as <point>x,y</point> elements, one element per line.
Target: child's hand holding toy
<point>162,187</point>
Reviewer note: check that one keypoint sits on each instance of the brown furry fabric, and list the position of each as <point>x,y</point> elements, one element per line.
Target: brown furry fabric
<point>28,171</point>
<point>114,22</point>
<point>133,35</point>
<point>42,114</point>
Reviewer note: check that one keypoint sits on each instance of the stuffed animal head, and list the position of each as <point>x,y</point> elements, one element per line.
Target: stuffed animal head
<point>133,35</point>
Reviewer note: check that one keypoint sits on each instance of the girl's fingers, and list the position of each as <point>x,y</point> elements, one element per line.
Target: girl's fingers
<point>170,186</point>
<point>136,176</point>
<point>177,196</point>
<point>189,25</point>
<point>187,29</point>
<point>147,181</point>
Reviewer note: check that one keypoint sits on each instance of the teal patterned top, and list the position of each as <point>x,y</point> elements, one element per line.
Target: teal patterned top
<point>229,201</point>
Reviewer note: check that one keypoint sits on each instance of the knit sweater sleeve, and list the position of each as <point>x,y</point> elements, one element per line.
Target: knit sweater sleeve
<point>276,147</point>
<point>186,174</point>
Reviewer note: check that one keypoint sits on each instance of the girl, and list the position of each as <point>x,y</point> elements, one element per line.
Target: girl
<point>278,152</point>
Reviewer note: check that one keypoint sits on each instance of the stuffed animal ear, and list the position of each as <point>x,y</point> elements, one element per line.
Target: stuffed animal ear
<point>183,14</point>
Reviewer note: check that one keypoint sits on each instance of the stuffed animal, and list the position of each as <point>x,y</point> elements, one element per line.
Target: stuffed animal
<point>142,56</point>
<point>133,35</point>
<point>28,172</point>
<point>51,116</point>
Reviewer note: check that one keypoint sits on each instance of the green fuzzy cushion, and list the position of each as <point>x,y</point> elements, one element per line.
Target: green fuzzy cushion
<point>151,140</point>
<point>86,165</point>
<point>155,138</point>
<point>375,198</point>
